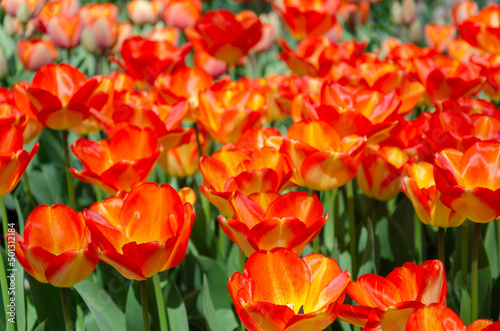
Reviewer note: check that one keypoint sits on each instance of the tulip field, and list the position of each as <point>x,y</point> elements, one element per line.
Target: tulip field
<point>262,165</point>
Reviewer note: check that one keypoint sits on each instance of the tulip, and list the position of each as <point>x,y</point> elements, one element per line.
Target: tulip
<point>421,189</point>
<point>100,27</point>
<point>112,164</point>
<point>322,164</point>
<point>169,34</point>
<point>280,291</point>
<point>23,10</point>
<point>439,36</point>
<point>55,8</point>
<point>291,221</point>
<point>60,96</point>
<point>142,235</point>
<point>211,34</point>
<point>184,84</point>
<point>483,30</point>
<point>304,19</point>
<point>210,64</point>
<point>182,161</point>
<point>435,317</point>
<point>54,247</point>
<point>483,325</point>
<point>389,301</point>
<point>182,14</point>
<point>65,31</point>
<point>145,59</point>
<point>143,11</point>
<point>228,170</point>
<point>463,10</point>
<point>13,159</point>
<point>36,53</point>
<point>469,182</point>
<point>379,175</point>
<point>226,112</point>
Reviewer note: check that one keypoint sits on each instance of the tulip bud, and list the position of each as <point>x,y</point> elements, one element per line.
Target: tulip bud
<point>100,35</point>
<point>143,11</point>
<point>416,31</point>
<point>36,53</point>
<point>182,14</point>
<point>23,13</point>
<point>409,10</point>
<point>4,69</point>
<point>397,13</point>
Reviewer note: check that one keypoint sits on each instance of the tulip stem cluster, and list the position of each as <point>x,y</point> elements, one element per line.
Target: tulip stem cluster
<point>65,306</point>
<point>475,255</point>
<point>144,304</point>
<point>160,302</point>
<point>69,176</point>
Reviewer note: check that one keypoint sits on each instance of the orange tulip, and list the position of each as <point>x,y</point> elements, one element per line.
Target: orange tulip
<point>54,247</point>
<point>100,27</point>
<point>280,291</point>
<point>254,139</point>
<point>435,317</point>
<point>305,18</point>
<point>13,159</point>
<point>483,325</point>
<point>60,96</point>
<point>184,84</point>
<point>53,9</point>
<point>380,172</point>
<point>22,103</point>
<point>390,301</point>
<point>209,63</point>
<point>142,235</point>
<point>439,36</point>
<point>182,161</point>
<point>483,30</point>
<point>326,163</point>
<point>182,14</point>
<point>469,182</point>
<point>461,50</point>
<point>228,170</point>
<point>226,111</point>
<point>420,187</point>
<point>169,34</point>
<point>291,221</point>
<point>145,59</point>
<point>308,59</point>
<point>36,53</point>
<point>65,31</point>
<point>142,11</point>
<point>211,34</point>
<point>117,164</point>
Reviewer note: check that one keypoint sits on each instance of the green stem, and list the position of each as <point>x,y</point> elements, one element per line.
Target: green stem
<point>418,239</point>
<point>254,66</point>
<point>65,306</point>
<point>465,252</point>
<point>352,228</point>
<point>197,132</point>
<point>3,274</point>
<point>144,303</point>
<point>69,176</point>
<point>243,259</point>
<point>5,225</point>
<point>316,244</point>
<point>475,255</point>
<point>28,189</point>
<point>441,244</point>
<point>161,304</point>
<point>98,193</point>
<point>498,243</point>
<point>222,243</point>
<point>336,224</point>
<point>68,53</point>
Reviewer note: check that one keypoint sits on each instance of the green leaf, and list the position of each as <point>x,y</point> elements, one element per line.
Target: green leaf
<point>208,308</point>
<point>367,247</point>
<point>47,302</point>
<point>217,279</point>
<point>41,327</point>
<point>133,312</point>
<point>465,307</point>
<point>176,310</point>
<point>103,309</point>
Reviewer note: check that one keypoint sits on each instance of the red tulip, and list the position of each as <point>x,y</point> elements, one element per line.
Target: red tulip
<point>54,247</point>
<point>142,235</point>
<point>435,317</point>
<point>211,34</point>
<point>483,30</point>
<point>291,221</point>
<point>280,291</point>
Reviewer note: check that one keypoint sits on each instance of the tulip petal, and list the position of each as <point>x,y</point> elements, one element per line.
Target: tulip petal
<point>435,317</point>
